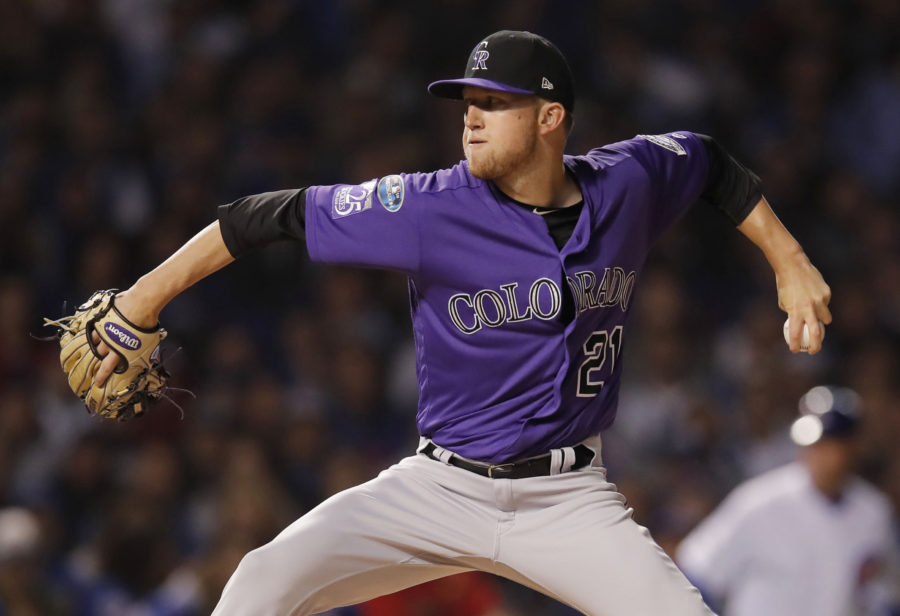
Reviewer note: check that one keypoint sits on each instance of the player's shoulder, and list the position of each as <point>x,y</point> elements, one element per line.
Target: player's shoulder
<point>784,479</point>
<point>676,143</point>
<point>869,498</point>
<point>769,489</point>
<point>442,180</point>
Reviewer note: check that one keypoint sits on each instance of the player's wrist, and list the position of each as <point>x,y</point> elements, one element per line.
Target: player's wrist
<point>787,257</point>
<point>139,304</point>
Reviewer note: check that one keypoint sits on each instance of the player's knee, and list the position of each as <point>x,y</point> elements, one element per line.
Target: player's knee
<point>255,587</point>
<point>251,565</point>
<point>280,568</point>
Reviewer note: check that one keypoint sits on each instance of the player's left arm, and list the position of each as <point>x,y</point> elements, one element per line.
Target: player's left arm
<point>687,167</point>
<point>802,292</point>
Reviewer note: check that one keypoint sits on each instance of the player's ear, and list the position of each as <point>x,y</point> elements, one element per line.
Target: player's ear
<point>550,117</point>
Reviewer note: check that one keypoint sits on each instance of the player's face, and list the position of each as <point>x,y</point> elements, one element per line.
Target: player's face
<point>831,461</point>
<point>500,131</point>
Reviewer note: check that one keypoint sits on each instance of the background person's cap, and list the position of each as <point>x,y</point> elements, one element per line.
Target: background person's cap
<point>826,412</point>
<point>513,61</point>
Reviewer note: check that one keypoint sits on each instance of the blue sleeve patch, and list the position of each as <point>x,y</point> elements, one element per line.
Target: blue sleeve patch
<point>391,192</point>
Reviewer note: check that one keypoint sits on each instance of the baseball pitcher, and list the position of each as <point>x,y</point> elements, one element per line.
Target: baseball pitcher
<point>522,265</point>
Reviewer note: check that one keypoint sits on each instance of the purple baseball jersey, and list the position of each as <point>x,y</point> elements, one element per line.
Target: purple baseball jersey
<point>501,374</point>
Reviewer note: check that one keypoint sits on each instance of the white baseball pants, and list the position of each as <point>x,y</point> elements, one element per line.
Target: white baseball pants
<point>568,535</point>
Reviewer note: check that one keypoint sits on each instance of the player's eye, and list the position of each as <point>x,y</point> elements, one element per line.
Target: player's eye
<point>486,103</point>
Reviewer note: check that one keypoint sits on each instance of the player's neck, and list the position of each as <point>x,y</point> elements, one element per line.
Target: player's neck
<point>831,486</point>
<point>542,183</point>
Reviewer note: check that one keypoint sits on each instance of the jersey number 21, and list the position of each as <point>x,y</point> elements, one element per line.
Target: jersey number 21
<point>596,348</point>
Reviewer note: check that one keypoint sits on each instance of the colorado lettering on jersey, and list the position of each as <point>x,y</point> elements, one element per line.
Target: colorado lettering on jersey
<point>615,288</point>
<point>492,308</point>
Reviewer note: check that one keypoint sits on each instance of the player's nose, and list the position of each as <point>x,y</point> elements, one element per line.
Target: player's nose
<point>473,117</point>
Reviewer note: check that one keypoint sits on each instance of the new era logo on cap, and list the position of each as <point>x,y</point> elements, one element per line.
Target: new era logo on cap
<point>514,61</point>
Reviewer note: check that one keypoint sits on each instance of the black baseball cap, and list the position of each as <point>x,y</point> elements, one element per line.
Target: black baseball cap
<point>826,412</point>
<point>515,61</point>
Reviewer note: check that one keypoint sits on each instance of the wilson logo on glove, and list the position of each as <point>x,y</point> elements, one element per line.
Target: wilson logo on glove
<point>124,337</point>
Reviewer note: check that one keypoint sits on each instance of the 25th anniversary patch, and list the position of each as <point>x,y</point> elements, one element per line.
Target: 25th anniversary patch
<point>352,199</point>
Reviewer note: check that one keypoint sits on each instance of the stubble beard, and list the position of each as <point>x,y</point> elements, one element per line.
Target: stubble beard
<point>496,164</point>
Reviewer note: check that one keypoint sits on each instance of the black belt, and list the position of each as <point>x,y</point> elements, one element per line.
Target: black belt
<point>532,467</point>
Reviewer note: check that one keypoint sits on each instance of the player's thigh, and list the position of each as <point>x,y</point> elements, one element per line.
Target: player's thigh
<point>376,538</point>
<point>587,551</point>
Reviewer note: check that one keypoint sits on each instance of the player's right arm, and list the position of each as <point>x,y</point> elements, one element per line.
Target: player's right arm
<point>246,224</point>
<point>202,255</point>
<point>363,225</point>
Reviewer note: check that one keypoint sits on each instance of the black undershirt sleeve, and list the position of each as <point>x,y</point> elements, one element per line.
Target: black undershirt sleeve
<point>732,188</point>
<point>258,220</point>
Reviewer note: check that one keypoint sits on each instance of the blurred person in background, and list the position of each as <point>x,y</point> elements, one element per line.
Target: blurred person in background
<point>807,539</point>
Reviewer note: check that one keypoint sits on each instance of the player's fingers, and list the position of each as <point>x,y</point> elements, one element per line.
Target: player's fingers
<point>824,314</point>
<point>816,335</point>
<point>107,366</point>
<point>102,349</point>
<point>795,331</point>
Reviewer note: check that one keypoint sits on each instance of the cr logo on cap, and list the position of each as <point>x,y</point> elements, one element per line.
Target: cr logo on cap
<point>480,56</point>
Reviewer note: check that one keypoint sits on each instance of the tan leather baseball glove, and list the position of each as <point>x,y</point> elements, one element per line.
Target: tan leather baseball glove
<point>139,379</point>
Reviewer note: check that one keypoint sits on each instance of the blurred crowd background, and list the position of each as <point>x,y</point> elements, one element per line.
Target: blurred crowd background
<point>124,123</point>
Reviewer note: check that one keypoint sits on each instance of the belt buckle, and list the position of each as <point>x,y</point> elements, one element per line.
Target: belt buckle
<point>495,466</point>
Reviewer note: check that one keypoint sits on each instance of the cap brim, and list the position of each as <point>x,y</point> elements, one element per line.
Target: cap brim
<point>452,88</point>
